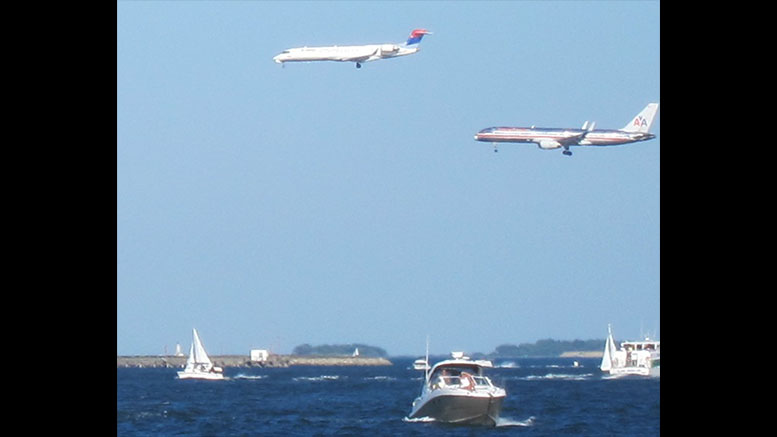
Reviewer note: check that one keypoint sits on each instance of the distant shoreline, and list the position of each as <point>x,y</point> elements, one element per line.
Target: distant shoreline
<point>582,354</point>
<point>172,361</point>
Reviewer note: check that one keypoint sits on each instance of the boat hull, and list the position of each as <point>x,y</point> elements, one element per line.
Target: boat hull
<point>200,375</point>
<point>641,371</point>
<point>470,409</point>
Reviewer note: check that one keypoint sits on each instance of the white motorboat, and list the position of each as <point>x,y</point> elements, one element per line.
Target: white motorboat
<point>420,364</point>
<point>456,391</point>
<point>633,358</point>
<point>199,365</point>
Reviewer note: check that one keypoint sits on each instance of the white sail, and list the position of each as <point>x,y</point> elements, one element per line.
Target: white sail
<point>198,360</point>
<point>200,356</point>
<point>609,349</point>
<point>190,361</point>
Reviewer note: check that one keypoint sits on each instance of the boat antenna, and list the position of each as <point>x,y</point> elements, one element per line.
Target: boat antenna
<point>426,365</point>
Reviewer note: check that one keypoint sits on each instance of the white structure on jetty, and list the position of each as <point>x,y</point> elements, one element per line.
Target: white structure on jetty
<point>259,355</point>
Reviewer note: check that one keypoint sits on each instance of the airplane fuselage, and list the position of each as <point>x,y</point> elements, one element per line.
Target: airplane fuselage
<point>364,53</point>
<point>357,54</point>
<point>552,138</point>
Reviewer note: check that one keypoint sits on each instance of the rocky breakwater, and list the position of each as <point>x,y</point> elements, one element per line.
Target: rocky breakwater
<point>171,361</point>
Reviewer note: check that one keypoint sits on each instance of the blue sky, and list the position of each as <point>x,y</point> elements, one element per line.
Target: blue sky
<point>319,203</point>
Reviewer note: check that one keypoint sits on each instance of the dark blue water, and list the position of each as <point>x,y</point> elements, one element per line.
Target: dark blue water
<point>547,397</point>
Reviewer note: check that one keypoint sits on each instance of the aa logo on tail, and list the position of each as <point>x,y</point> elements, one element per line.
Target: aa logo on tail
<point>640,121</point>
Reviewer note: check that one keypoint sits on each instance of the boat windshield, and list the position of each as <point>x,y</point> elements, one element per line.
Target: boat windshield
<point>445,381</point>
<point>458,377</point>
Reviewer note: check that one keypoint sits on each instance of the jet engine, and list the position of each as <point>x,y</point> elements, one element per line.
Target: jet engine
<point>549,144</point>
<point>388,49</point>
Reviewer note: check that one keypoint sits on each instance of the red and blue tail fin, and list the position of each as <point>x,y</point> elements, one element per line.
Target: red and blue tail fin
<point>416,35</point>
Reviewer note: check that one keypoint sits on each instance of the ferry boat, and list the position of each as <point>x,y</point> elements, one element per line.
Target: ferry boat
<point>456,391</point>
<point>633,358</point>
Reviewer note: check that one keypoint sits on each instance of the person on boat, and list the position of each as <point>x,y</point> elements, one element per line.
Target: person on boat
<point>466,381</point>
<point>441,382</point>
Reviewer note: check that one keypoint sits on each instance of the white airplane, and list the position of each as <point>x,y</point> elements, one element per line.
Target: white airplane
<point>358,54</point>
<point>554,138</point>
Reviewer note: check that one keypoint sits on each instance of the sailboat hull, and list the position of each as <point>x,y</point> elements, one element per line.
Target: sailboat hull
<point>200,375</point>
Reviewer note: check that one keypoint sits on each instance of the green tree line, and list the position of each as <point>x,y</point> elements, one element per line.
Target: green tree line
<point>340,350</point>
<point>545,348</point>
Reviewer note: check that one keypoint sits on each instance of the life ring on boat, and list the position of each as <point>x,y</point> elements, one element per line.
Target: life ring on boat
<point>470,385</point>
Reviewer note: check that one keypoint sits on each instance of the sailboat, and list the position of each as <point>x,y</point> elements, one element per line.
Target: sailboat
<point>199,365</point>
<point>609,351</point>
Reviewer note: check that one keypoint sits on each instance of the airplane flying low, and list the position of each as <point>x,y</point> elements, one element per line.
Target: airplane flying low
<point>555,138</point>
<point>357,54</point>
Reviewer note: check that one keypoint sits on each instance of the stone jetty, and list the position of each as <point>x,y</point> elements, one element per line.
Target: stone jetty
<point>172,361</point>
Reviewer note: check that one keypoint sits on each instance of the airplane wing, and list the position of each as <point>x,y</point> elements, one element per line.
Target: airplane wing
<point>360,55</point>
<point>575,139</point>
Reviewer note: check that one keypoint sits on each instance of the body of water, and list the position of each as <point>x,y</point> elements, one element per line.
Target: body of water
<point>547,397</point>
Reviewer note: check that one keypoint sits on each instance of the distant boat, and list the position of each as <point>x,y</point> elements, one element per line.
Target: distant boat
<point>633,358</point>
<point>199,365</point>
<point>420,364</point>
<point>456,391</point>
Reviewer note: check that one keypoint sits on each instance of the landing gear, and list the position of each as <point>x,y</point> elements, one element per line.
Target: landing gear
<point>358,65</point>
<point>495,149</point>
<point>567,152</point>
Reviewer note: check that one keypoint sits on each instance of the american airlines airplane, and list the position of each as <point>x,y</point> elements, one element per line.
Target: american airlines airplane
<point>358,54</point>
<point>555,138</point>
